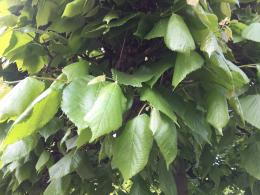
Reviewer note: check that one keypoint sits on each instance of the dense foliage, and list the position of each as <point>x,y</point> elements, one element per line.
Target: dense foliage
<point>130,97</point>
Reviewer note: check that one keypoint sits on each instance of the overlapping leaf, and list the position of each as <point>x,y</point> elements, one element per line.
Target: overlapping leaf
<point>178,37</point>
<point>131,149</point>
<point>106,115</point>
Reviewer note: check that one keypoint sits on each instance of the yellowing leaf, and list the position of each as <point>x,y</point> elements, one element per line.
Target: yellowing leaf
<point>38,113</point>
<point>16,101</point>
<point>74,8</point>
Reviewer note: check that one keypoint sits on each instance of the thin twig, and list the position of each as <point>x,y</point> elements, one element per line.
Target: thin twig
<point>248,66</point>
<point>121,53</point>
<point>12,82</point>
<point>141,110</point>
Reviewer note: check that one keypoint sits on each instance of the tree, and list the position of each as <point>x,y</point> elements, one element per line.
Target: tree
<point>130,97</point>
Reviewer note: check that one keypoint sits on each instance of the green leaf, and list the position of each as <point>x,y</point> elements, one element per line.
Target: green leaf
<point>165,135</point>
<point>159,29</point>
<point>110,16</point>
<point>136,79</point>
<point>38,114</point>
<point>74,8</point>
<point>235,104</point>
<point>219,72</point>
<point>69,163</point>
<point>252,32</point>
<point>166,180</point>
<point>46,9</point>
<point>251,108</point>
<point>50,128</point>
<point>16,101</point>
<point>178,37</point>
<point>5,39</point>
<point>185,64</point>
<point>76,70</point>
<point>30,57</point>
<point>84,137</point>
<point>144,26</point>
<point>18,150</point>
<point>210,44</point>
<point>24,172</point>
<point>249,158</point>
<point>43,159</point>
<point>192,118</point>
<point>217,114</point>
<point>240,78</point>
<point>59,186</point>
<point>159,102</point>
<point>135,141</point>
<point>106,114</point>
<point>17,41</point>
<point>208,19</point>
<point>106,148</point>
<point>159,67</point>
<point>139,187</point>
<point>78,98</point>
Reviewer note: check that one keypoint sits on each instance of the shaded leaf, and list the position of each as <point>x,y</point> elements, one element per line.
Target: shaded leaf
<point>159,102</point>
<point>166,180</point>
<point>84,137</point>
<point>19,150</point>
<point>217,114</point>
<point>249,158</point>
<point>139,187</point>
<point>165,135</point>
<point>69,163</point>
<point>185,64</point>
<point>58,186</point>
<point>158,30</point>
<point>136,79</point>
<point>50,128</point>
<point>43,159</point>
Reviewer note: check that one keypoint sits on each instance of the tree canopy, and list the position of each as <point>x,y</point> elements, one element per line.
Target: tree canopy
<point>130,97</point>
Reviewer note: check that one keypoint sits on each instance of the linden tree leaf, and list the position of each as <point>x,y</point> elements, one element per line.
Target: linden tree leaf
<point>159,102</point>
<point>178,36</point>
<point>106,114</point>
<point>16,101</point>
<point>37,114</point>
<point>185,64</point>
<point>165,135</point>
<point>135,141</point>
